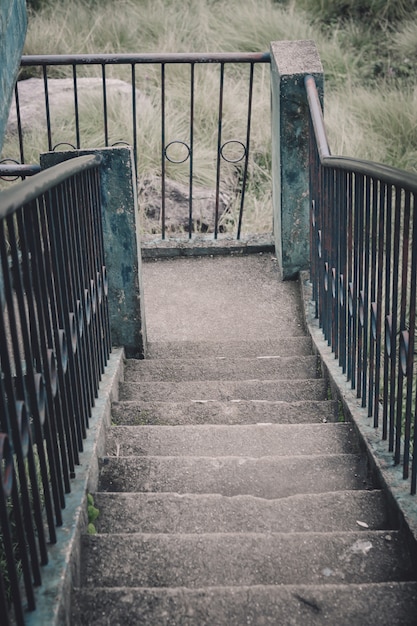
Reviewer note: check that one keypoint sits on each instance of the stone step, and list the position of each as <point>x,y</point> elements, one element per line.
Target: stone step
<point>254,440</point>
<point>211,513</point>
<point>285,346</point>
<point>287,390</point>
<point>215,559</point>
<point>370,604</point>
<point>266,477</point>
<point>178,370</point>
<point>217,412</point>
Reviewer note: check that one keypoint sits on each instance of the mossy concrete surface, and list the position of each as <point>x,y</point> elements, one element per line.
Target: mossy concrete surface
<point>13,24</point>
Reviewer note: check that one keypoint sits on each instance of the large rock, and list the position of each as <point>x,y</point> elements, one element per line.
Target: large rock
<point>177,206</point>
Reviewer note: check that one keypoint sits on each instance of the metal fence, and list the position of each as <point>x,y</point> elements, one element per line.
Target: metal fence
<point>363,270</point>
<point>178,147</point>
<point>55,342</point>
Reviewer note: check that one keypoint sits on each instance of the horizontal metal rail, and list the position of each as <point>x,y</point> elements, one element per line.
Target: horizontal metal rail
<point>55,342</point>
<point>363,270</point>
<point>230,161</point>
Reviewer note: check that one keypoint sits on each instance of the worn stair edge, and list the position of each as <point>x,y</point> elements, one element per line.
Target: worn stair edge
<point>285,346</point>
<point>62,571</point>
<point>402,503</point>
<point>221,368</point>
<point>213,559</point>
<point>131,412</point>
<point>289,390</point>
<point>236,475</point>
<point>199,513</point>
<point>254,440</point>
<point>385,604</point>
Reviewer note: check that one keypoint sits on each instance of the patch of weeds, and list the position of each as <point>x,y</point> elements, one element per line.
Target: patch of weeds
<point>93,514</point>
<point>340,413</point>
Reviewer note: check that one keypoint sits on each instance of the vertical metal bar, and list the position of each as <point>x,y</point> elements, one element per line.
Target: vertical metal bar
<point>76,110</point>
<point>47,111</point>
<point>105,117</point>
<point>190,192</point>
<point>134,120</point>
<point>349,279</point>
<point>378,308</point>
<point>366,289</point>
<point>163,150</point>
<point>219,146</point>
<point>19,123</point>
<point>245,169</point>
<point>358,295</point>
<point>342,273</point>
<point>387,316</point>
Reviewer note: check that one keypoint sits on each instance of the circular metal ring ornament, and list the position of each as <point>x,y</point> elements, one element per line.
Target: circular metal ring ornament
<point>93,296</point>
<point>6,465</point>
<point>227,143</point>
<point>333,282</point>
<point>40,397</point>
<point>99,287</point>
<point>404,349</point>
<point>87,304</point>
<point>350,299</point>
<point>23,426</point>
<point>63,349</point>
<point>80,318</point>
<point>181,143</point>
<point>388,334</point>
<point>362,308</point>
<point>52,372</point>
<point>64,143</point>
<point>105,280</point>
<point>341,290</point>
<point>73,331</point>
<point>319,243</point>
<point>9,179</point>
<point>326,276</point>
<point>374,318</point>
<point>120,143</point>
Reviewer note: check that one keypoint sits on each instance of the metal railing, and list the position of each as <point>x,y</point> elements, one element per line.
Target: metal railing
<point>55,342</point>
<point>363,270</point>
<point>230,151</point>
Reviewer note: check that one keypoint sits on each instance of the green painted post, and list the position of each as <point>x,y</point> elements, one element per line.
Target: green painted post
<point>291,61</point>
<point>121,244</point>
<point>13,24</point>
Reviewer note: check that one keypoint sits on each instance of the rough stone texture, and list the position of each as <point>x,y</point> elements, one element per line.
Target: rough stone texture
<point>215,412</point>
<point>291,61</point>
<point>220,299</point>
<point>177,206</point>
<point>209,513</point>
<point>254,440</point>
<point>385,604</point>
<point>266,477</point>
<point>215,559</point>
<point>286,346</point>
<point>13,24</point>
<point>121,244</point>
<point>288,390</point>
<point>173,370</point>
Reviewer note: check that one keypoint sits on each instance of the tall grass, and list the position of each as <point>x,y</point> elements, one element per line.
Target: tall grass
<point>369,67</point>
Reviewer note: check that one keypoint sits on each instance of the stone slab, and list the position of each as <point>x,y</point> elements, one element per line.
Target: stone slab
<point>266,477</point>
<point>288,390</point>
<point>215,559</point>
<point>286,346</point>
<point>385,604</point>
<point>255,440</point>
<point>207,513</point>
<point>216,412</point>
<point>221,368</point>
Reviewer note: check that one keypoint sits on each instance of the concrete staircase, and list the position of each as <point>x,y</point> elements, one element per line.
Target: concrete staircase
<point>233,493</point>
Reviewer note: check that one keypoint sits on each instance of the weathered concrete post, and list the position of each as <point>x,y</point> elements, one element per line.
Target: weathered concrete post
<point>121,244</point>
<point>291,61</point>
<point>13,24</point>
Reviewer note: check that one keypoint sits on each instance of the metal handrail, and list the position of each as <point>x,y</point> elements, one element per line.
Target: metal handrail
<point>121,59</point>
<point>12,199</point>
<point>385,173</point>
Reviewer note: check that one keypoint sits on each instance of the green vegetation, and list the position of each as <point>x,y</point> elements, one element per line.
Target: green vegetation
<point>369,54</point>
<point>92,513</point>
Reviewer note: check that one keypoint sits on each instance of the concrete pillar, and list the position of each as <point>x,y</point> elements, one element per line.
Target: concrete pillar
<point>13,24</point>
<point>121,244</point>
<point>290,62</point>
